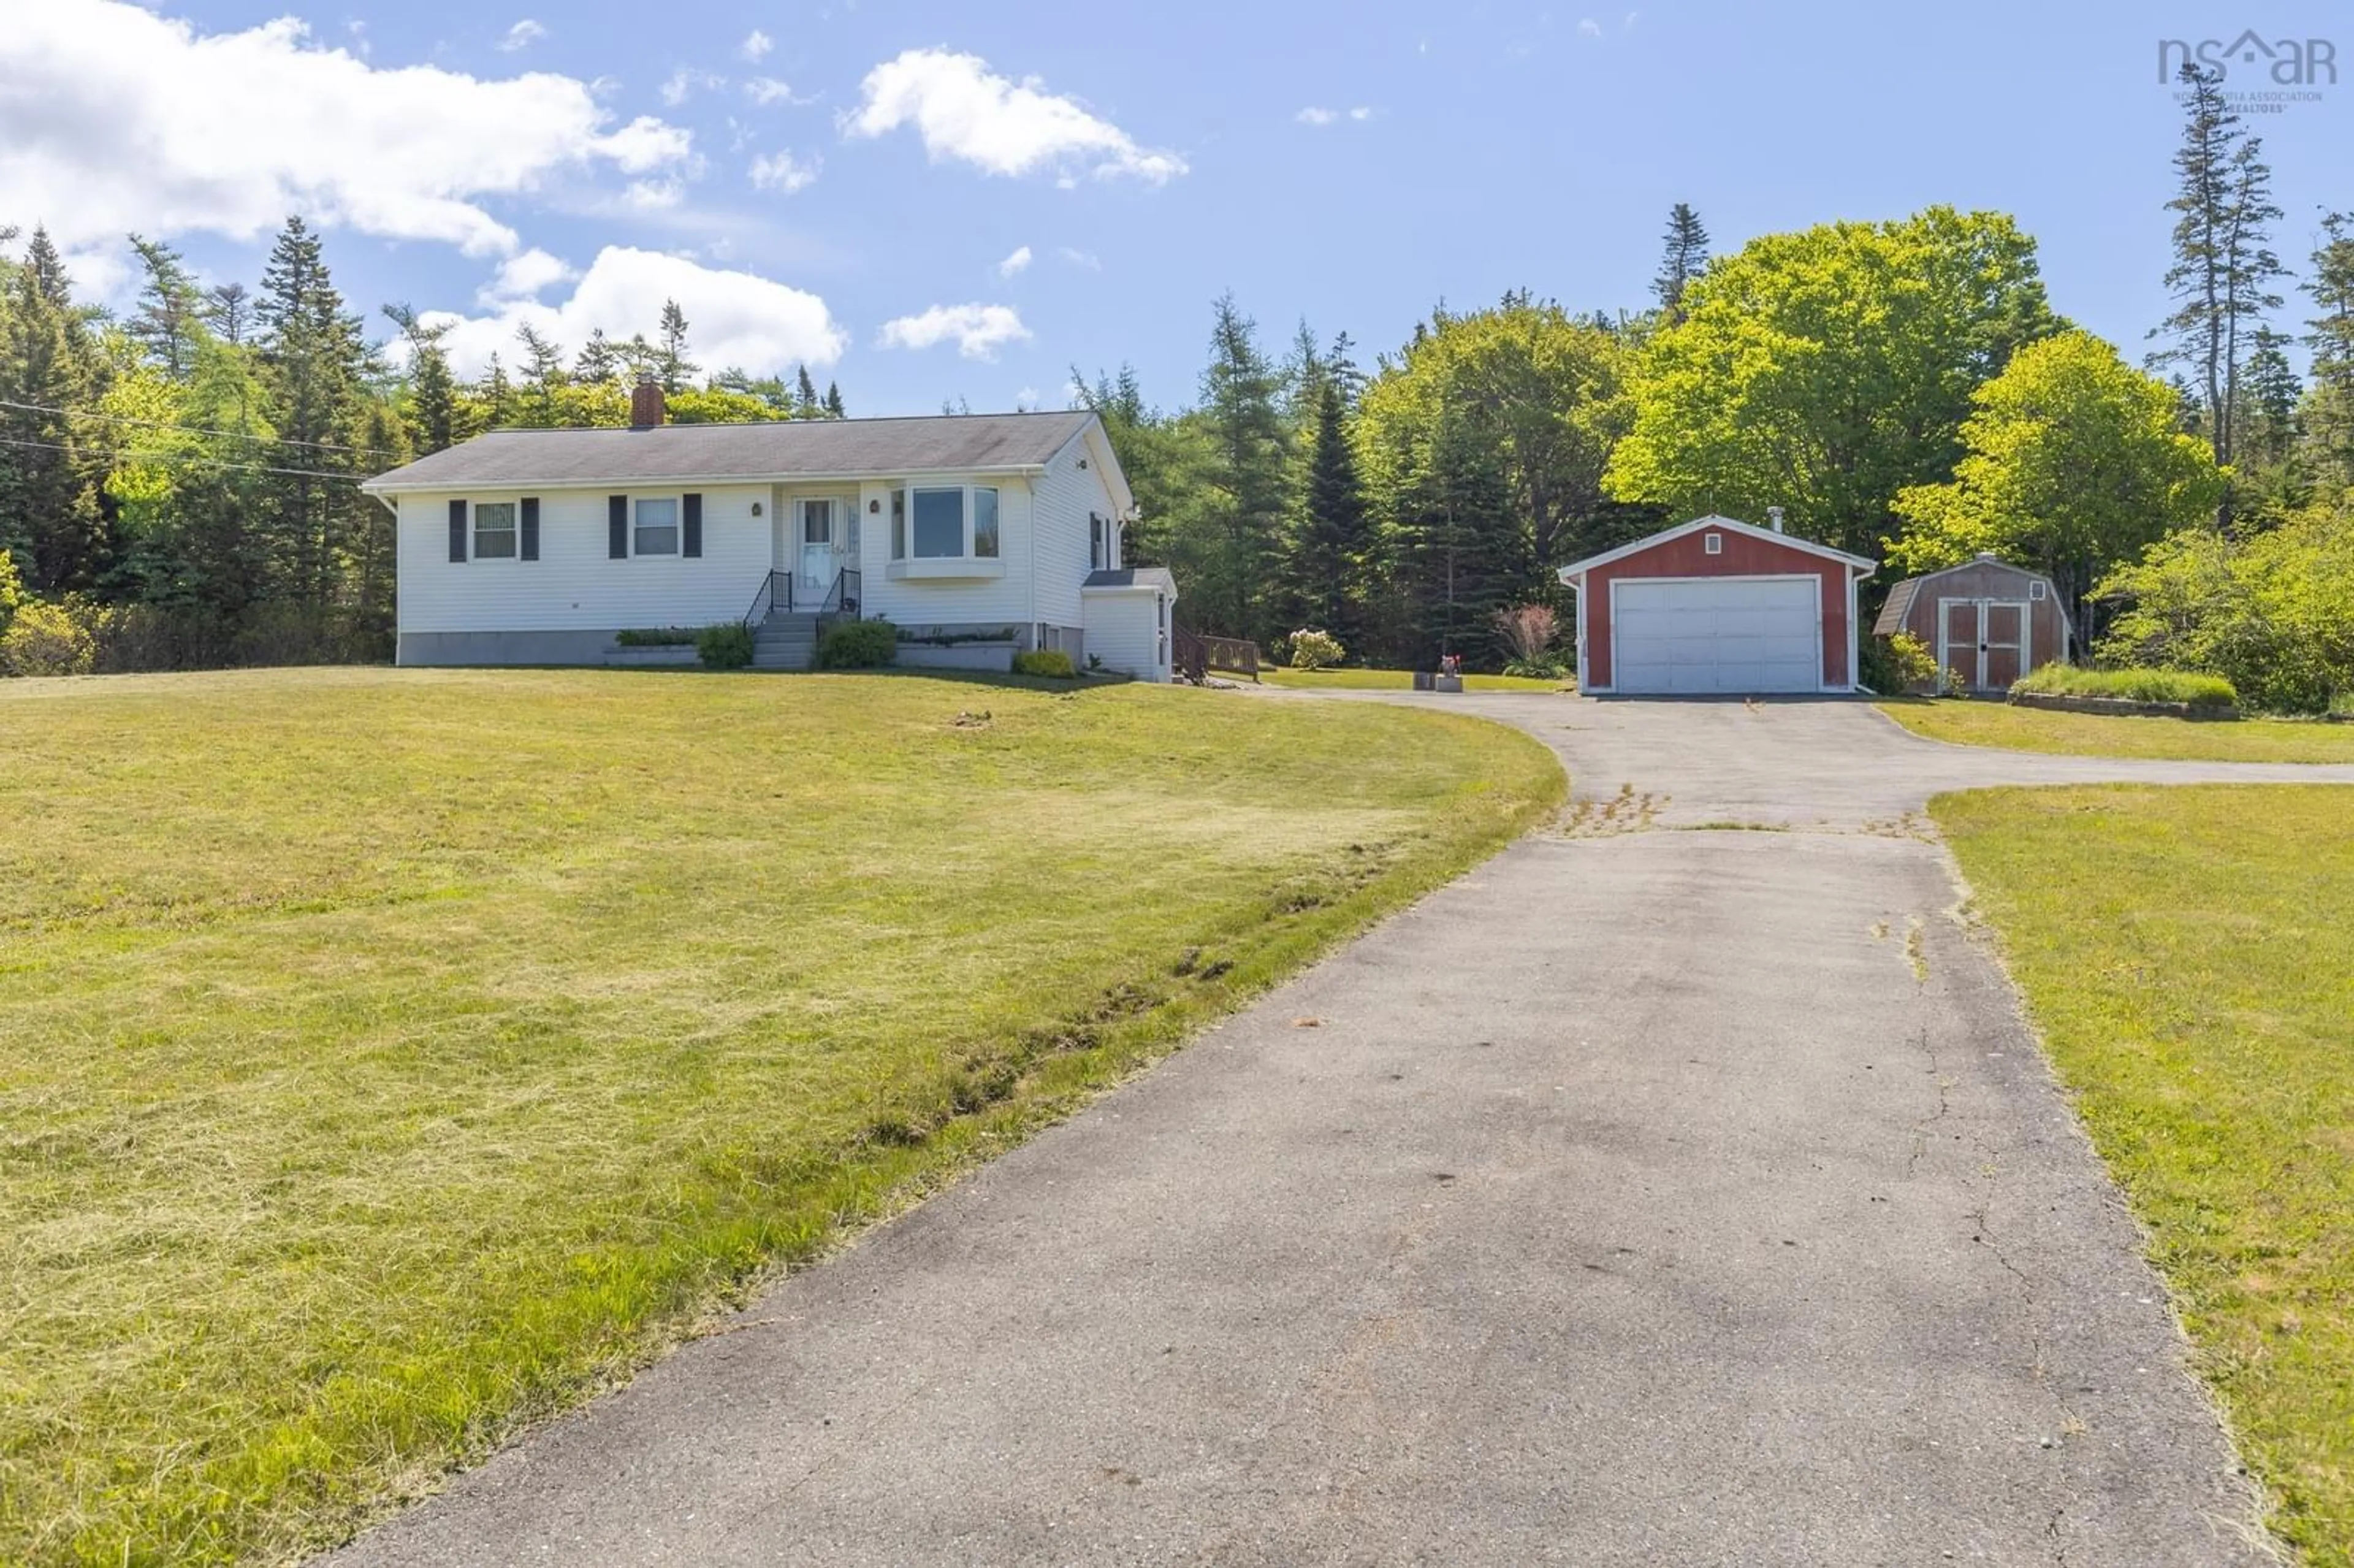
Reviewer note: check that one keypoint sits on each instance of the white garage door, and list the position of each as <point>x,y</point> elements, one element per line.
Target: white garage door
<point>1718,634</point>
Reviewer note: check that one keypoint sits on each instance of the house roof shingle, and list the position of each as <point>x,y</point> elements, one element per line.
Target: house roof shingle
<point>1133,578</point>
<point>958,443</point>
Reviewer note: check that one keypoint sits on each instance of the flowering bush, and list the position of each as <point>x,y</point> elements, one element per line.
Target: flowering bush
<point>1527,631</point>
<point>1315,650</point>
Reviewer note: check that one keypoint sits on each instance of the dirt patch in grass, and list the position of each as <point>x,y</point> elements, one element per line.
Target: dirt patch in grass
<point>388,1059</point>
<point>2188,954</point>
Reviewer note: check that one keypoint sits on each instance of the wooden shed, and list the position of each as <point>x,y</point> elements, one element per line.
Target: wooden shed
<point>1991,620</point>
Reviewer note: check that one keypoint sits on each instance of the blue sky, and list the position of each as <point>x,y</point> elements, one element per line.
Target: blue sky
<point>854,185</point>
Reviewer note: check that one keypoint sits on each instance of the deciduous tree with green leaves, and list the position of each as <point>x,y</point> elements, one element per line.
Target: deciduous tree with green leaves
<point>2072,463</point>
<point>1825,370</point>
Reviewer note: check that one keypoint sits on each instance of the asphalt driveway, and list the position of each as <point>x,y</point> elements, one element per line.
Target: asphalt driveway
<point>1648,1196</point>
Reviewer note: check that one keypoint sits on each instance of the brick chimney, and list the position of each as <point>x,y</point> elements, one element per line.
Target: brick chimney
<point>646,410</point>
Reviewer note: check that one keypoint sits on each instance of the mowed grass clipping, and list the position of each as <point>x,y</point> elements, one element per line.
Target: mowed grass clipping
<point>388,1058</point>
<point>2105,735</point>
<point>1395,680</point>
<point>2188,954</point>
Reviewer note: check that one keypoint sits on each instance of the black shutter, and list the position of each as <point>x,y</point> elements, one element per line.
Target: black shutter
<point>457,530</point>
<point>690,541</point>
<point>529,544</point>
<point>617,527</point>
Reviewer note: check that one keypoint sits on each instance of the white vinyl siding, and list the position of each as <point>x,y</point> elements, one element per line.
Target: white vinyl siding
<point>1066,494</point>
<point>1728,635</point>
<point>574,585</point>
<point>1122,628</point>
<point>1002,598</point>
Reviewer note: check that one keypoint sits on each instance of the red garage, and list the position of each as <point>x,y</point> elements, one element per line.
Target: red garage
<point>1714,606</point>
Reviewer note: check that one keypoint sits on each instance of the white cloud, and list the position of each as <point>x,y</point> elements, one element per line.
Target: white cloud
<point>766,90</point>
<point>525,276</point>
<point>963,110</point>
<point>980,331</point>
<point>783,173</point>
<point>1322,117</point>
<point>522,35</point>
<point>1015,262</point>
<point>653,196</point>
<point>113,119</point>
<point>1086,258</point>
<point>1590,27</point>
<point>733,318</point>
<point>756,46</point>
<point>686,81</point>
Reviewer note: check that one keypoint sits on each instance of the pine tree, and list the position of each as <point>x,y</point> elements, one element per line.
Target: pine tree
<point>432,389</point>
<point>1332,540</point>
<point>2268,432</point>
<point>833,408</point>
<point>1465,556</point>
<point>1685,255</point>
<point>2222,260</point>
<point>671,367</point>
<point>600,361</point>
<point>2328,411</point>
<point>170,313</point>
<point>229,311</point>
<point>543,372</point>
<point>805,398</point>
<point>50,515</point>
<point>314,359</point>
<point>1247,478</point>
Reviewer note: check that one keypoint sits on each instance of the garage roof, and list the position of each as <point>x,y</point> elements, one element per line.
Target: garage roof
<point>1576,569</point>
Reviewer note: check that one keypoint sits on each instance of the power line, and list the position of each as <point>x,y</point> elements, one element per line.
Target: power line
<point>186,429</point>
<point>161,459</point>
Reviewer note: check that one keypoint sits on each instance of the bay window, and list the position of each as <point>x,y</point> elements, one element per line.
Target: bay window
<point>945,523</point>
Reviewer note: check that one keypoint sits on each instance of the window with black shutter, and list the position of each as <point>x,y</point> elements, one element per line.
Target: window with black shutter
<point>617,527</point>
<point>457,530</point>
<point>531,528</point>
<point>692,542</point>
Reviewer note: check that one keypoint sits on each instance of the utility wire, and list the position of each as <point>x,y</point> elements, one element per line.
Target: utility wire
<point>187,429</point>
<point>161,459</point>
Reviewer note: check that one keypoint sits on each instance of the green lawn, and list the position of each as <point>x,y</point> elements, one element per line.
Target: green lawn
<point>388,1058</point>
<point>1397,681</point>
<point>2100,734</point>
<point>2189,955</point>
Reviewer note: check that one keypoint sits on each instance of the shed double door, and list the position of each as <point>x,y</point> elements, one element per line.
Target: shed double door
<point>1985,638</point>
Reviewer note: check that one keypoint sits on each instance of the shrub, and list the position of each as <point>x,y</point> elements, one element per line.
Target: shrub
<point>1898,663</point>
<point>726,646</point>
<point>12,587</point>
<point>659,637</point>
<point>1315,650</point>
<point>1052,661</point>
<point>857,645</point>
<point>46,640</point>
<point>2133,686</point>
<point>2272,613</point>
<point>1527,631</point>
<point>1549,668</point>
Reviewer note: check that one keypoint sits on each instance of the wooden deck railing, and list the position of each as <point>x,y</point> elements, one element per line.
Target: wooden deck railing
<point>1195,656</point>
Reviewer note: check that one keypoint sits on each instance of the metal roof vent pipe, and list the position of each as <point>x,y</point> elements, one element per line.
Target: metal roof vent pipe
<point>1773,516</point>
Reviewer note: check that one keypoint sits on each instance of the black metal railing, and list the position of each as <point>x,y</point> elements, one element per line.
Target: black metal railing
<point>776,593</point>
<point>842,598</point>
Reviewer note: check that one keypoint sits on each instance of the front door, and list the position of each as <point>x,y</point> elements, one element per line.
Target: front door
<point>1983,638</point>
<point>819,521</point>
<point>2002,645</point>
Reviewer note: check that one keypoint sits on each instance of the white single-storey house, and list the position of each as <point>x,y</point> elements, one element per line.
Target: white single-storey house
<point>1005,530</point>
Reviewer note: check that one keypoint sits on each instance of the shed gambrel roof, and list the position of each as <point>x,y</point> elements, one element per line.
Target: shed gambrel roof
<point>1576,569</point>
<point>719,454</point>
<point>1901,597</point>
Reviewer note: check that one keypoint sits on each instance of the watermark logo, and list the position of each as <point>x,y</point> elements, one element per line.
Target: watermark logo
<point>2256,74</point>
